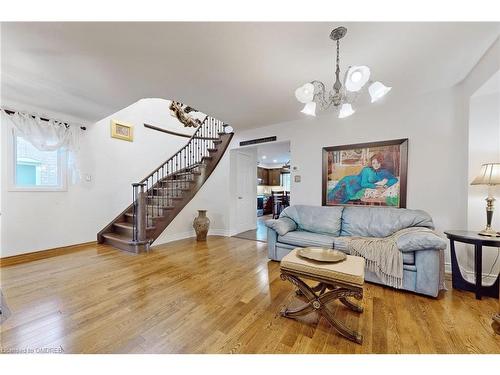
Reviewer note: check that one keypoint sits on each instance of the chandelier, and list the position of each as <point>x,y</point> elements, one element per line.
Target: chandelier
<point>342,96</point>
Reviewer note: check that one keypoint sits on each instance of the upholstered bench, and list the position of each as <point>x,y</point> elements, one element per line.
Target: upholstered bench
<point>335,281</point>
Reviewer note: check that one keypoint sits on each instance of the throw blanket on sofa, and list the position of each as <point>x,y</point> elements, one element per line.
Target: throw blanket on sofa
<point>382,255</point>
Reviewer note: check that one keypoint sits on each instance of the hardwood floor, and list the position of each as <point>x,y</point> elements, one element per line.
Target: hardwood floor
<point>222,296</point>
<point>258,234</point>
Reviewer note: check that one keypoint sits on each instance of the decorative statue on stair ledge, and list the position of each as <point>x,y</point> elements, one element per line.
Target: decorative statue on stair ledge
<point>201,224</point>
<point>181,112</point>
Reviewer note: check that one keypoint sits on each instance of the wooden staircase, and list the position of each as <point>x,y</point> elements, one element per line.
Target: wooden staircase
<point>158,198</point>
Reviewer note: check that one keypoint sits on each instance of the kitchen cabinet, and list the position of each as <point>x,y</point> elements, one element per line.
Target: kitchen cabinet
<point>274,177</point>
<point>269,177</point>
<point>263,176</point>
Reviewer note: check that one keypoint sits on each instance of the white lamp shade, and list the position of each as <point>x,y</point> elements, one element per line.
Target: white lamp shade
<point>356,78</point>
<point>309,109</point>
<point>346,110</point>
<point>488,175</point>
<point>377,90</point>
<point>305,94</point>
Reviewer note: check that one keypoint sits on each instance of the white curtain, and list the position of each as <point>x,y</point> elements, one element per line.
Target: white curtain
<point>48,136</point>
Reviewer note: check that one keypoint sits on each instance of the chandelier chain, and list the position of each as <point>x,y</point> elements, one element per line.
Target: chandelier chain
<point>338,53</point>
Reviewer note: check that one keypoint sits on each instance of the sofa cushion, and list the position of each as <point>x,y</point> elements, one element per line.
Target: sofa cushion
<point>301,238</point>
<point>381,221</point>
<point>281,226</point>
<point>317,219</point>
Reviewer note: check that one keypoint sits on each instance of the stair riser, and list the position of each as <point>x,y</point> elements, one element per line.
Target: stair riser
<point>179,182</point>
<point>162,201</point>
<point>130,219</point>
<point>177,192</point>
<point>155,211</point>
<point>122,246</point>
<point>128,231</point>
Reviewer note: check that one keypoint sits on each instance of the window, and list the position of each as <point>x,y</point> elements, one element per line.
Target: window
<point>285,181</point>
<point>38,170</point>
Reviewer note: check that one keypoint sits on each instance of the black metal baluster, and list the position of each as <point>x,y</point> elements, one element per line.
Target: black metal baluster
<point>134,226</point>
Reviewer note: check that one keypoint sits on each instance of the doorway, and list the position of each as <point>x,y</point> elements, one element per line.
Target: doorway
<point>270,186</point>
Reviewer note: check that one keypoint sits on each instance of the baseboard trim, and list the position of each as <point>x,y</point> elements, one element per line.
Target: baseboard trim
<point>470,274</point>
<point>43,254</point>
<point>189,234</point>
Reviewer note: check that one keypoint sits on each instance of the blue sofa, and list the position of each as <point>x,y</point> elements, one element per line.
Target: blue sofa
<point>302,226</point>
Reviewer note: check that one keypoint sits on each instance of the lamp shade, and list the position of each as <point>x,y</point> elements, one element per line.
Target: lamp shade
<point>356,78</point>
<point>309,109</point>
<point>305,93</point>
<point>377,90</point>
<point>346,110</point>
<point>488,175</point>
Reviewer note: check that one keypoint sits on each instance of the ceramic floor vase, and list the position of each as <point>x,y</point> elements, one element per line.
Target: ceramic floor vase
<point>201,224</point>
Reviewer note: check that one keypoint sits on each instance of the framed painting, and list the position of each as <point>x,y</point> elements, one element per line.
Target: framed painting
<point>366,174</point>
<point>122,131</point>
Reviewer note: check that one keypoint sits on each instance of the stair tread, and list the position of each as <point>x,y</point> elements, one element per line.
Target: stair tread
<point>125,224</point>
<point>118,237</point>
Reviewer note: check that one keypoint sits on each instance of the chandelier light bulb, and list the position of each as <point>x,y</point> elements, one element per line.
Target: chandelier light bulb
<point>357,76</point>
<point>346,110</point>
<point>377,90</point>
<point>309,109</point>
<point>305,93</point>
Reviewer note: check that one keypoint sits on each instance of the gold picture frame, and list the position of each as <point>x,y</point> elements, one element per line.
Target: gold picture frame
<point>121,130</point>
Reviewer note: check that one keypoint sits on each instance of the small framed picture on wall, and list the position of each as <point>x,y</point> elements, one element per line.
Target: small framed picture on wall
<point>121,130</point>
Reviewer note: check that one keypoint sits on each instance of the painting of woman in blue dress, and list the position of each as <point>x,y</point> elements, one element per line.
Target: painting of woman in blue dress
<point>352,188</point>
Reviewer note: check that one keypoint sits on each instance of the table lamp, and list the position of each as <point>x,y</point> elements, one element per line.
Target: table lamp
<point>489,175</point>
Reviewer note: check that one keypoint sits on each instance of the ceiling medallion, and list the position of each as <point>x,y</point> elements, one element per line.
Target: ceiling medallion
<point>344,95</point>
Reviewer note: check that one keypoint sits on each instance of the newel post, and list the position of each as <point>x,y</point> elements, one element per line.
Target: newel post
<point>140,217</point>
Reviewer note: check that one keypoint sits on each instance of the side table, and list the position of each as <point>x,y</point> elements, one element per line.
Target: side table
<point>458,282</point>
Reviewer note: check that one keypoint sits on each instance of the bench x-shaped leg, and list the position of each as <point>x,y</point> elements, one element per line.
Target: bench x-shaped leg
<point>318,298</point>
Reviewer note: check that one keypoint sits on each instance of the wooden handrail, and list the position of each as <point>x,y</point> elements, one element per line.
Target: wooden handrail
<point>166,131</point>
<point>177,152</point>
<point>177,134</point>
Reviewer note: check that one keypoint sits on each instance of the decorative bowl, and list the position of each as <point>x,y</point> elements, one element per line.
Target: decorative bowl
<point>321,254</point>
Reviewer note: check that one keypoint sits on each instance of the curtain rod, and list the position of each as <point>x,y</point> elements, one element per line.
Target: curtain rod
<point>10,112</point>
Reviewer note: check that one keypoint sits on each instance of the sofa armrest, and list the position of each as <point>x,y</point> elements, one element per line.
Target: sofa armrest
<point>282,226</point>
<point>272,239</point>
<point>422,240</point>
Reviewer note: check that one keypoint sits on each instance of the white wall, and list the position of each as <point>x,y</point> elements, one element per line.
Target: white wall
<point>484,147</point>
<point>437,162</point>
<point>35,221</point>
<point>487,66</point>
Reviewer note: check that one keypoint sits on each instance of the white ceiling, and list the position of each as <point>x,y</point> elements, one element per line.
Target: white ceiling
<point>242,73</point>
<point>267,153</point>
